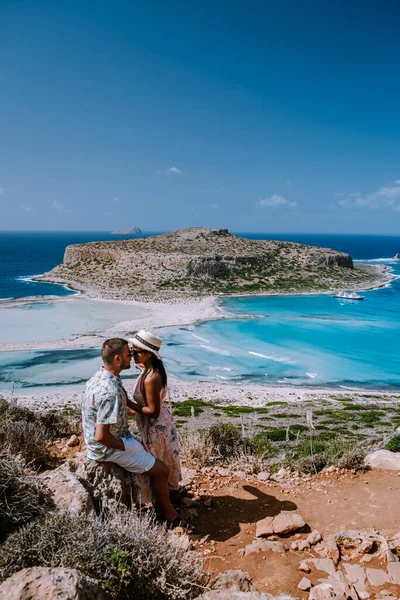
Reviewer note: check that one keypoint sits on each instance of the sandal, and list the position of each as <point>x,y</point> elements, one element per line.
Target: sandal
<point>180,522</point>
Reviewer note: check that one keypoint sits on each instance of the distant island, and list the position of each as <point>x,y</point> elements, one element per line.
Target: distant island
<point>199,262</point>
<point>127,231</point>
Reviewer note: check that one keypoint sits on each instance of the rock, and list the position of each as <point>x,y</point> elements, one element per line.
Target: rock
<point>107,483</point>
<point>383,459</point>
<point>188,502</point>
<point>397,255</point>
<point>208,502</point>
<point>188,476</point>
<point>305,567</point>
<point>305,585</point>
<point>287,521</point>
<point>377,577</point>
<point>343,588</point>
<point>323,591</point>
<point>323,564</point>
<point>73,441</point>
<point>236,580</point>
<point>356,576</point>
<point>362,541</point>
<point>263,546</point>
<point>263,476</point>
<point>231,595</point>
<point>43,583</point>
<point>264,527</point>
<point>68,493</point>
<point>314,537</point>
<point>394,572</point>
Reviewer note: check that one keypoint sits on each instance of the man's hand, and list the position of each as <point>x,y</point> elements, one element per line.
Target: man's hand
<point>103,436</point>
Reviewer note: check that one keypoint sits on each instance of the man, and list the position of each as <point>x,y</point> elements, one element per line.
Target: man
<point>105,426</point>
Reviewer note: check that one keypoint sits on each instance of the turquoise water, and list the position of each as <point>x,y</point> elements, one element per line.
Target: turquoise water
<point>296,340</point>
<point>281,340</point>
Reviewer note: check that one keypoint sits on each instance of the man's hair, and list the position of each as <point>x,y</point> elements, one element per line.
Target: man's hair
<point>111,348</point>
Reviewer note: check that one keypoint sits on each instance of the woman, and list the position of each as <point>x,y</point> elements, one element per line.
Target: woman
<point>154,420</point>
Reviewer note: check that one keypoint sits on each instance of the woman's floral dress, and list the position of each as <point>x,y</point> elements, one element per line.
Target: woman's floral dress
<point>160,438</point>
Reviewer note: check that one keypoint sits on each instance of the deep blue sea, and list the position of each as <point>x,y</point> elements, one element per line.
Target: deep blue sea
<point>281,340</point>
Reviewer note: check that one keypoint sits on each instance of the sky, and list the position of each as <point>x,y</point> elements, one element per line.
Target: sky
<point>257,116</point>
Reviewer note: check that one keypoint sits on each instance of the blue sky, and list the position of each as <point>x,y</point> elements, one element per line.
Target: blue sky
<point>255,116</point>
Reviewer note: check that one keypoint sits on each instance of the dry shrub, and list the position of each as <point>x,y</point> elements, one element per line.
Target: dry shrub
<point>22,497</point>
<point>24,438</point>
<point>196,448</point>
<point>249,463</point>
<point>125,551</point>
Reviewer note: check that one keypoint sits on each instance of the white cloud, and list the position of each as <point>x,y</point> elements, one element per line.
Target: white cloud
<point>27,209</point>
<point>59,206</point>
<point>387,196</point>
<point>213,205</point>
<point>171,171</point>
<point>397,181</point>
<point>288,182</point>
<point>115,198</point>
<point>277,200</point>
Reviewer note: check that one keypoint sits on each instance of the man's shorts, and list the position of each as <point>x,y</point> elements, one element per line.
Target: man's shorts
<point>134,458</point>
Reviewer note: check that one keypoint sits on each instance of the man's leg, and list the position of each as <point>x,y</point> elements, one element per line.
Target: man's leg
<point>159,484</point>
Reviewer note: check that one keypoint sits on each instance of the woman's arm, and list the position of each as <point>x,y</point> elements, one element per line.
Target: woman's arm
<point>152,392</point>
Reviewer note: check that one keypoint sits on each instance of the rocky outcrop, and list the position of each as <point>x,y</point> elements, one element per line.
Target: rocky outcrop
<point>107,483</point>
<point>198,262</point>
<point>67,492</point>
<point>383,459</point>
<point>42,583</point>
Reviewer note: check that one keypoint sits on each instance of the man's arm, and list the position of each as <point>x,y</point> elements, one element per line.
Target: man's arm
<point>105,437</point>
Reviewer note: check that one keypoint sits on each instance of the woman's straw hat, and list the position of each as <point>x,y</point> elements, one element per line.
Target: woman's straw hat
<point>146,341</point>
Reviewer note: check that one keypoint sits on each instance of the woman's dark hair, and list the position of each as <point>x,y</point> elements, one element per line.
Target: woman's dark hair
<point>158,365</point>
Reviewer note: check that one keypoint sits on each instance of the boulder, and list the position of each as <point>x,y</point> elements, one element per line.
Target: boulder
<point>263,546</point>
<point>68,493</point>
<point>383,459</point>
<point>43,583</point>
<point>238,581</point>
<point>107,483</point>
<point>287,521</point>
<point>324,591</point>
<point>305,585</point>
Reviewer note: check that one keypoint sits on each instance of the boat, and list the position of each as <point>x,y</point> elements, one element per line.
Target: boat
<point>349,296</point>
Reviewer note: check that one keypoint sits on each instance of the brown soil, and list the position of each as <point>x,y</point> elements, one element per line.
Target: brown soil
<point>329,503</point>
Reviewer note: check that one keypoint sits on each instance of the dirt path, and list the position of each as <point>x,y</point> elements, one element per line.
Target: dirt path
<point>327,502</point>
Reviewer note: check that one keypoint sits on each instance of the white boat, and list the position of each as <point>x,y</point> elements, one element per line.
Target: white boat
<point>349,296</point>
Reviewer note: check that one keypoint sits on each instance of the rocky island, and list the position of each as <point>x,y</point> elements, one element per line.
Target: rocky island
<point>127,231</point>
<point>199,262</point>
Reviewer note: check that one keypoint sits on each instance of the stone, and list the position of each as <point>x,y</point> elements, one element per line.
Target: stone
<point>236,580</point>
<point>264,527</point>
<point>362,541</point>
<point>208,502</point>
<point>323,564</point>
<point>383,459</point>
<point>188,502</point>
<point>323,591</point>
<point>394,572</point>
<point>263,546</point>
<point>231,595</point>
<point>73,441</point>
<point>107,483</point>
<point>67,492</point>
<point>263,476</point>
<point>314,537</point>
<point>305,567</point>
<point>377,577</point>
<point>44,583</point>
<point>343,588</point>
<point>287,521</point>
<point>305,585</point>
<point>356,575</point>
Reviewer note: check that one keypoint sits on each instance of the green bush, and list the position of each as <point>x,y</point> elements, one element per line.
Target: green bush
<point>22,497</point>
<point>25,438</point>
<point>315,453</point>
<point>394,444</point>
<point>226,440</point>
<point>126,552</point>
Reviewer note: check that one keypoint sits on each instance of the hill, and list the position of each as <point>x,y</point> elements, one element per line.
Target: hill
<point>204,262</point>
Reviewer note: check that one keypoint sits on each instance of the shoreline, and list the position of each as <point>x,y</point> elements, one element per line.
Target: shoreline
<point>220,394</point>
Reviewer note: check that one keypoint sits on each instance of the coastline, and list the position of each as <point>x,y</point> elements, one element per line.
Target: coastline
<point>221,394</point>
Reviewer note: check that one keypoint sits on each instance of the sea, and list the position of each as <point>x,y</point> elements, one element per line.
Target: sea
<point>304,340</point>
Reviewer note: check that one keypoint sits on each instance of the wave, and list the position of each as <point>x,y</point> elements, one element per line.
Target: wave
<point>215,350</point>
<point>312,375</point>
<point>279,359</point>
<point>219,369</point>
<point>391,260</point>
<point>200,338</point>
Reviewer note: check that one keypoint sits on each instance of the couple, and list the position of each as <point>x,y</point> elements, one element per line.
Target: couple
<point>105,421</point>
